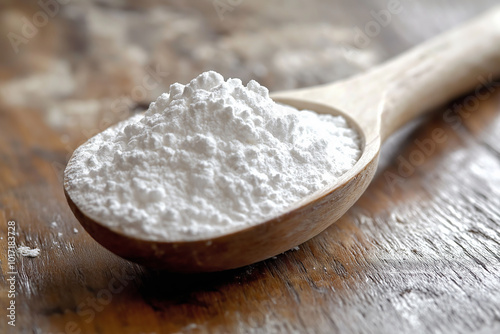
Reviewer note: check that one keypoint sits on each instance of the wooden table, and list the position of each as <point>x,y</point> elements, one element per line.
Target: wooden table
<point>419,252</point>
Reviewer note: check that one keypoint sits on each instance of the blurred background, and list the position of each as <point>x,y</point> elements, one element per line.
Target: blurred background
<point>87,64</point>
<point>418,257</point>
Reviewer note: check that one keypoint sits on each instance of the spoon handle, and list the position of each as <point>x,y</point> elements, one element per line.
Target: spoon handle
<point>462,60</point>
<point>425,77</point>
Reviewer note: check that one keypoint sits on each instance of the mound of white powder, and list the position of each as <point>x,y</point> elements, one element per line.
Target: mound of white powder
<point>207,158</point>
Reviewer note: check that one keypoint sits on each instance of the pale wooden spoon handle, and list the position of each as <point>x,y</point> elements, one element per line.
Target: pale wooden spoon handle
<point>389,95</point>
<point>445,67</point>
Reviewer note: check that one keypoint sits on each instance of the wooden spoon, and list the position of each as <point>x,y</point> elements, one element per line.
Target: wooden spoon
<point>376,103</point>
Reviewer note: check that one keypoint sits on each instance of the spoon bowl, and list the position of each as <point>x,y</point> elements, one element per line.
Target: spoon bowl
<point>375,103</point>
<point>303,221</point>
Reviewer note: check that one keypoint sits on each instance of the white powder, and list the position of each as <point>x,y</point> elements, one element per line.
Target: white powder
<point>207,158</point>
<point>29,252</point>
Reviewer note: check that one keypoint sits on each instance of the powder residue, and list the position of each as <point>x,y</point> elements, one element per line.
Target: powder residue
<point>28,252</point>
<point>207,158</point>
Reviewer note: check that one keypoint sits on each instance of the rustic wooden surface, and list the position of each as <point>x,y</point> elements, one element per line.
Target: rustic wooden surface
<point>419,252</point>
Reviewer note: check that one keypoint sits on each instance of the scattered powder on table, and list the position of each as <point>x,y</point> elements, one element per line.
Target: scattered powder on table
<point>207,158</point>
<point>29,252</point>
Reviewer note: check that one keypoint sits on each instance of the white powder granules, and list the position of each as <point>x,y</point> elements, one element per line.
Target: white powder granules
<point>207,158</point>
<point>29,252</point>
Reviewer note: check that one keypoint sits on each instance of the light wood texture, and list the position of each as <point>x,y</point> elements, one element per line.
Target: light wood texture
<point>378,102</point>
<point>418,253</point>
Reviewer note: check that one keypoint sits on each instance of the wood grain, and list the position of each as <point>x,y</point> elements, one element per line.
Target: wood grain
<point>418,253</point>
